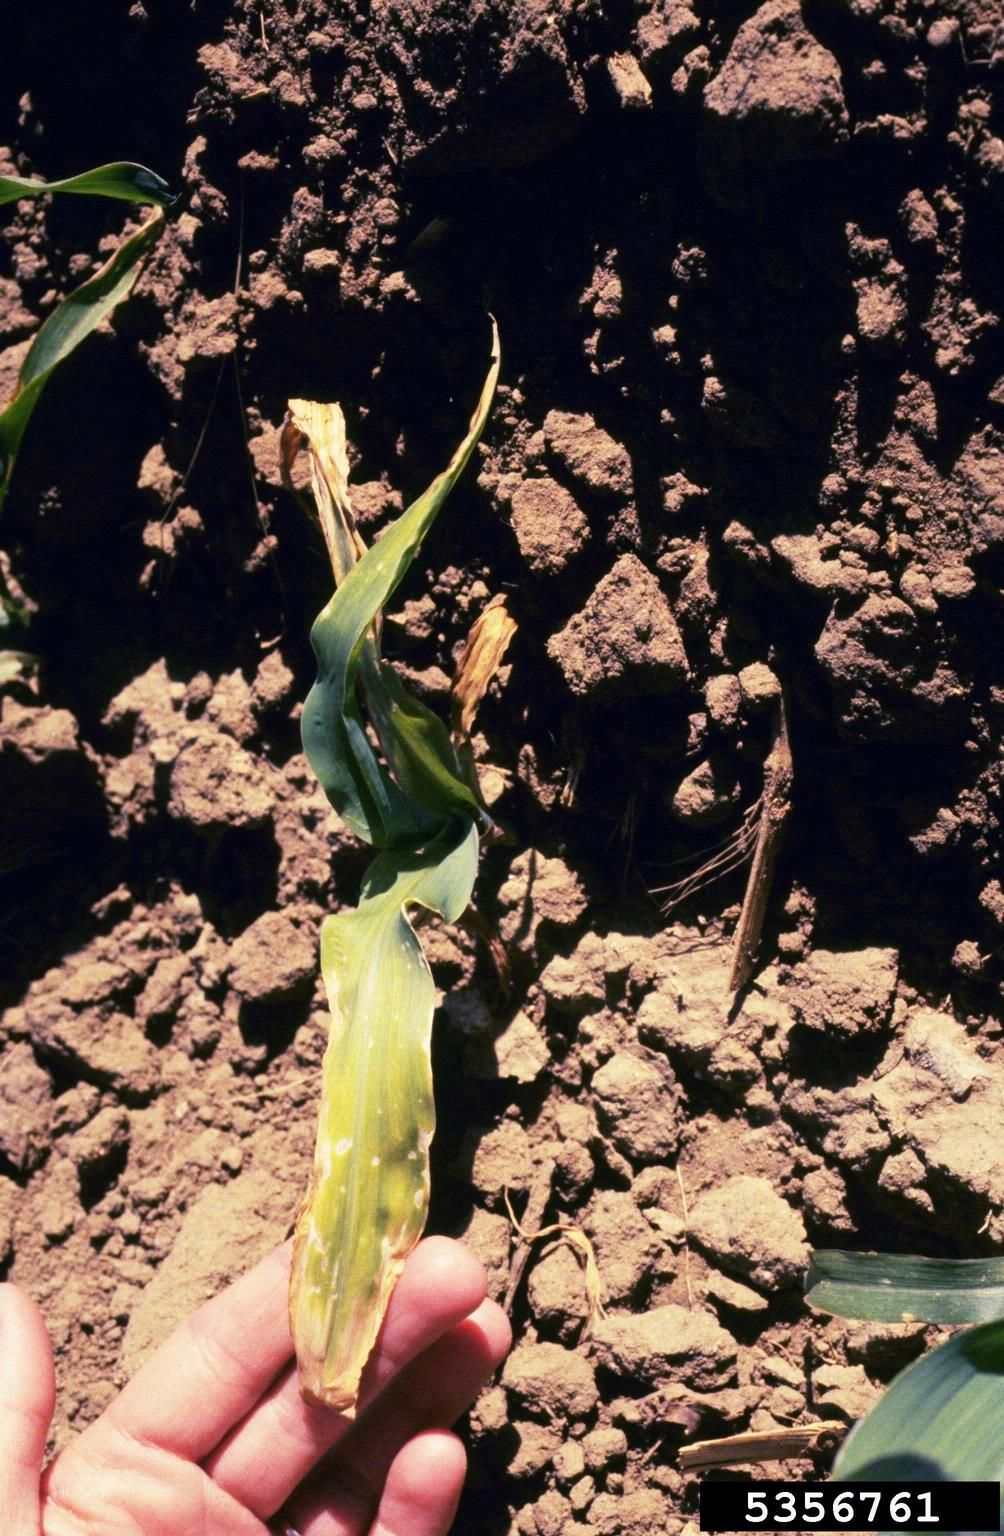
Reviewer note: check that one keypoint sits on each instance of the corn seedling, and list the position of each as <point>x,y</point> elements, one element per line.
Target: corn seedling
<point>68,325</point>
<point>943,1417</point>
<point>391,770</point>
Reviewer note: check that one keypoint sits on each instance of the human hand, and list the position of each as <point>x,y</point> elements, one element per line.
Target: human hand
<point>212,1438</point>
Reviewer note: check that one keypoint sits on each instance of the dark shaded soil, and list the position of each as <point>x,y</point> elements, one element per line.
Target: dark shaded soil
<point>745,265</point>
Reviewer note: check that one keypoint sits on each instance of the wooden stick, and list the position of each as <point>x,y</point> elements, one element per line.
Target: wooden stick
<point>777,780</point>
<point>762,1445</point>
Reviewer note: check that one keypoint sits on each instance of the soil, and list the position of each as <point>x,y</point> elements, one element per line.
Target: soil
<point>750,438</point>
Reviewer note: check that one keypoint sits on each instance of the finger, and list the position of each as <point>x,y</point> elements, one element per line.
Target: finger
<point>271,1452</point>
<point>442,1280</point>
<point>342,1496</point>
<point>27,1398</point>
<point>211,1370</point>
<point>423,1489</point>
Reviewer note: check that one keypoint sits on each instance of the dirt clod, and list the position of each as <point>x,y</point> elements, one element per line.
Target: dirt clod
<point>25,1096</point>
<point>557,1293</point>
<point>751,1232</point>
<point>638,1104</point>
<point>550,1382</point>
<point>549,525</point>
<point>272,959</point>
<point>215,784</point>
<point>848,993</point>
<point>588,454</point>
<point>778,96</point>
<point>625,641</point>
<point>667,1342</point>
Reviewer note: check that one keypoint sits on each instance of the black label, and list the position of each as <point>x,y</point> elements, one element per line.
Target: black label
<point>850,1506</point>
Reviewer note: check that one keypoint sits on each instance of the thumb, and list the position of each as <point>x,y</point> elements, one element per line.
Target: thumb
<point>27,1397</point>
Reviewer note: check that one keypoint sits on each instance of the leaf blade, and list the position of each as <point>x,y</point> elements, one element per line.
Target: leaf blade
<point>490,637</point>
<point>76,317</point>
<point>368,1196</point>
<point>942,1419</point>
<point>882,1287</point>
<point>121,179</point>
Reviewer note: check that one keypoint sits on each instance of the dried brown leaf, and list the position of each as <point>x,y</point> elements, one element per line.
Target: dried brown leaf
<point>319,430</point>
<point>480,659</point>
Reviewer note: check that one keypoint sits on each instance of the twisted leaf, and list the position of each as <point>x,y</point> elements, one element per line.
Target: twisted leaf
<point>369,1192</point>
<point>415,743</point>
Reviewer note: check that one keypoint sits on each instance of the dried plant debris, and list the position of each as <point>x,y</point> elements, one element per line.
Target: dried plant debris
<point>756,842</point>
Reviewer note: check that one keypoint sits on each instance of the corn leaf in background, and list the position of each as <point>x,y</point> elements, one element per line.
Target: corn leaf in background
<point>131,183</point>
<point>77,316</point>
<point>896,1288</point>
<point>942,1419</point>
<point>403,789</point>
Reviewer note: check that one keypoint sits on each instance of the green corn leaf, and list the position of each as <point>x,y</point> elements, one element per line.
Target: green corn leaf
<point>895,1288</point>
<point>428,782</point>
<point>941,1420</point>
<point>131,183</point>
<point>77,316</point>
<point>417,746</point>
<point>369,1192</point>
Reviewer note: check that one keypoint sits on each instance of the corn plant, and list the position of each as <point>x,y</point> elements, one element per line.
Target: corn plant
<point>399,780</point>
<point>942,1418</point>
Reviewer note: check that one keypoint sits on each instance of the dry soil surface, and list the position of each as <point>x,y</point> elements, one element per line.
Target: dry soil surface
<point>746,267</point>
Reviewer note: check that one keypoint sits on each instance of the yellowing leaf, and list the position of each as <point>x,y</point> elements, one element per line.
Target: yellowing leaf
<point>369,1192</point>
<point>320,429</point>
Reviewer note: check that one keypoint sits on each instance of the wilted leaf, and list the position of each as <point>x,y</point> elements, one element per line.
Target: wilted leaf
<point>480,659</point>
<point>320,429</point>
<point>351,775</point>
<point>369,1192</point>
